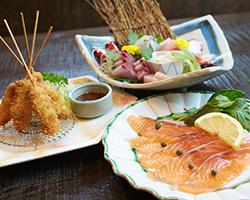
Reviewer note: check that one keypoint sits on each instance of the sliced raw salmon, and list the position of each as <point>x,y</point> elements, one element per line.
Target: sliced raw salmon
<point>186,157</point>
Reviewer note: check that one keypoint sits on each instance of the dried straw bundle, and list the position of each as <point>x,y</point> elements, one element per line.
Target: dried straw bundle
<point>139,16</point>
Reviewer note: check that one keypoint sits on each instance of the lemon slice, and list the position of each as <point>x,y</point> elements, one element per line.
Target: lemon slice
<point>223,125</point>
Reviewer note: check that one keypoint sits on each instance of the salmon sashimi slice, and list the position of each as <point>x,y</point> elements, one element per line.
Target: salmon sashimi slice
<point>172,151</point>
<point>147,127</point>
<point>187,157</point>
<point>182,167</point>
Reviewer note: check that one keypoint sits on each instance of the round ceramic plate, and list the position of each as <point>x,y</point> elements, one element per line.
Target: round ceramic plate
<point>123,159</point>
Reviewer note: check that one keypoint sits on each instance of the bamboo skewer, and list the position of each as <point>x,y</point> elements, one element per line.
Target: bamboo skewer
<point>25,34</point>
<point>18,50</point>
<point>11,51</point>
<point>42,45</point>
<point>19,57</point>
<point>34,40</point>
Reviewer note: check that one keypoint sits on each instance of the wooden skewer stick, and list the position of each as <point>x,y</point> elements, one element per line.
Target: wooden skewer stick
<point>11,51</point>
<point>25,34</point>
<point>42,45</point>
<point>18,50</point>
<point>34,39</point>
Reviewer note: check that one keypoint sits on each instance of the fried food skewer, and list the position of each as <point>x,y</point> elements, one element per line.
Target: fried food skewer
<point>6,103</point>
<point>42,104</point>
<point>62,111</point>
<point>20,110</point>
<point>31,95</point>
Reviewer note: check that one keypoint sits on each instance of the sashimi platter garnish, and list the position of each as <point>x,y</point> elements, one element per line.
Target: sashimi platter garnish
<point>146,58</point>
<point>199,150</point>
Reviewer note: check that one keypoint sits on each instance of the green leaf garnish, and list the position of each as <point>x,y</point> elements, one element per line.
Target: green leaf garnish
<point>146,52</point>
<point>183,115</point>
<point>224,99</point>
<point>159,39</point>
<point>133,37</point>
<point>230,102</point>
<point>111,57</point>
<point>189,60</point>
<point>240,110</point>
<point>55,79</point>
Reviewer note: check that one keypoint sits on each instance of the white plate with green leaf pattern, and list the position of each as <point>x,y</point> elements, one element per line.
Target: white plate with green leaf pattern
<point>124,160</point>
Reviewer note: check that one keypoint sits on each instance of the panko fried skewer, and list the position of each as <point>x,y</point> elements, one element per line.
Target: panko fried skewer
<point>62,111</point>
<point>6,103</point>
<point>42,104</point>
<point>31,95</point>
<point>20,110</point>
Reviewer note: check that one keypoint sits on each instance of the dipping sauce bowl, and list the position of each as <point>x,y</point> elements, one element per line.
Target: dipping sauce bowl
<point>91,99</point>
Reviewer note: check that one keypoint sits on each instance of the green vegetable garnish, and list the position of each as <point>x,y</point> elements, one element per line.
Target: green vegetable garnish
<point>184,115</point>
<point>55,79</point>
<point>189,60</point>
<point>240,110</point>
<point>230,102</point>
<point>146,52</point>
<point>133,37</point>
<point>111,57</point>
<point>159,39</point>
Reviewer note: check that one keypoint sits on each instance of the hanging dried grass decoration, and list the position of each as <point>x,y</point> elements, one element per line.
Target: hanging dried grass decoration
<point>144,17</point>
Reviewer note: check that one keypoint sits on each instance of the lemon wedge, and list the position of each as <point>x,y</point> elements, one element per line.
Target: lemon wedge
<point>226,127</point>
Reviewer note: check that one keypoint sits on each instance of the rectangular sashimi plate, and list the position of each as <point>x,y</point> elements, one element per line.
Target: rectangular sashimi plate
<point>204,29</point>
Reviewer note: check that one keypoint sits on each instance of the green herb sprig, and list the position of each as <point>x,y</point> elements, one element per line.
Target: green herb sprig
<point>231,102</point>
<point>55,79</point>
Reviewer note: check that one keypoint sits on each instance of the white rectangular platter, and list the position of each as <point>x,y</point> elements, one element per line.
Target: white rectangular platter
<point>86,132</point>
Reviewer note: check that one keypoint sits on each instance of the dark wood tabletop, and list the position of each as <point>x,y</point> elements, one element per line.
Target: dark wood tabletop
<point>84,173</point>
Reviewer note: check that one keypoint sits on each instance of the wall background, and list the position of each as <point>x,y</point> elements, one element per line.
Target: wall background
<point>76,14</point>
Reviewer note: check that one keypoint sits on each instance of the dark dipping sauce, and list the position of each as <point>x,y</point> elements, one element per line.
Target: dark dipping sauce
<point>88,96</point>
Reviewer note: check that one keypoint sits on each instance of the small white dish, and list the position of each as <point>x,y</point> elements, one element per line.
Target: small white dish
<point>91,108</point>
<point>164,62</point>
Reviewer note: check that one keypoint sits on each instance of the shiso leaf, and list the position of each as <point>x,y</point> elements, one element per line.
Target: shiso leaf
<point>132,37</point>
<point>146,52</point>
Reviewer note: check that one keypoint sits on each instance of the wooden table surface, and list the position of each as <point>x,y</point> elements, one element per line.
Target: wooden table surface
<point>84,173</point>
